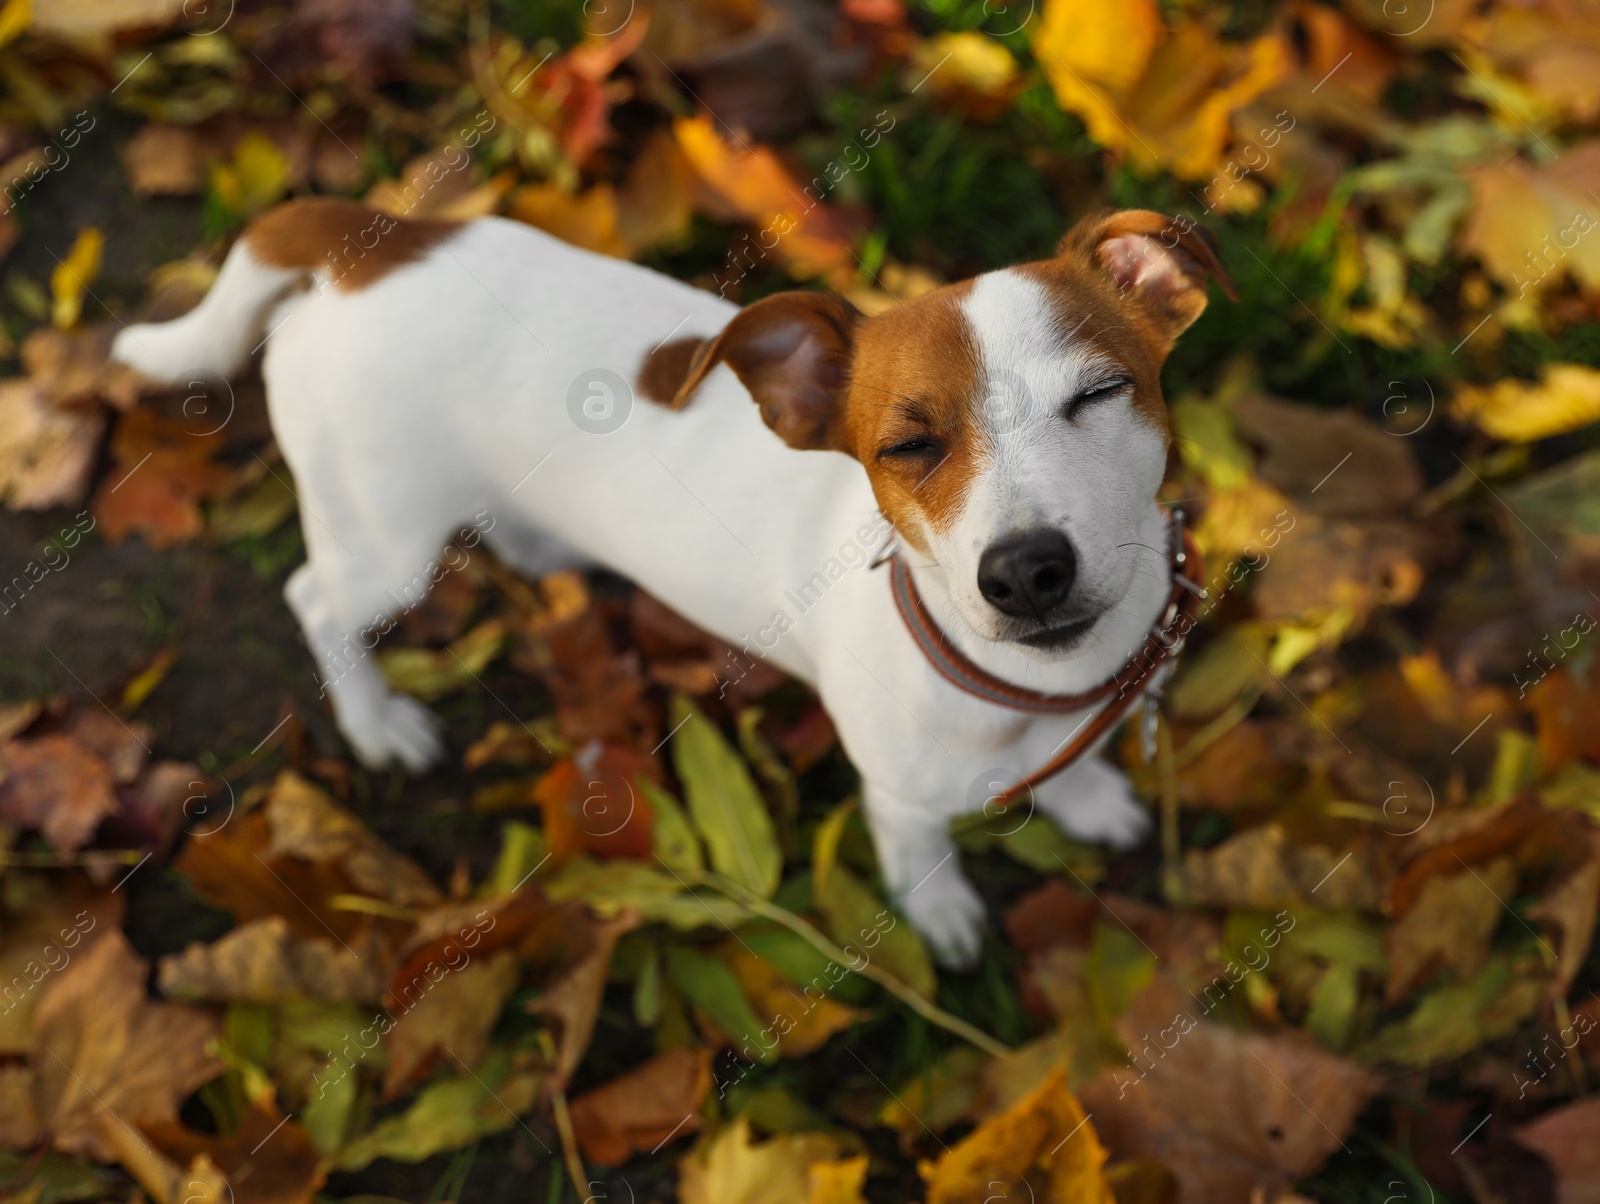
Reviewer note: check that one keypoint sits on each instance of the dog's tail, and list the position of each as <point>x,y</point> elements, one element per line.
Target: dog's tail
<point>216,336</point>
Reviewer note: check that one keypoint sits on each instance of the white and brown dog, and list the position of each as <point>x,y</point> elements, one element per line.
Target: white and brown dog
<point>1011,428</point>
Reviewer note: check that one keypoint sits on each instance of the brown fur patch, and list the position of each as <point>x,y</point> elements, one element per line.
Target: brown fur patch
<point>356,245</point>
<point>663,371</point>
<point>1116,326</point>
<point>915,372</point>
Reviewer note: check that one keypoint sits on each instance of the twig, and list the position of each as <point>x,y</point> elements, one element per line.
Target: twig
<point>913,999</point>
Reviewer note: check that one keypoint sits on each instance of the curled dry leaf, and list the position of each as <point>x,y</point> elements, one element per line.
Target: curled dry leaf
<point>41,933</point>
<point>105,1057</point>
<point>264,962</point>
<point>1274,1106</point>
<point>457,1015</point>
<point>46,453</point>
<point>642,1109</point>
<point>266,1159</point>
<point>56,784</point>
<point>732,1168</point>
<point>573,999</point>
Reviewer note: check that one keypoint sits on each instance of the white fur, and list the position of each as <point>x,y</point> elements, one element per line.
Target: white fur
<point>438,397</point>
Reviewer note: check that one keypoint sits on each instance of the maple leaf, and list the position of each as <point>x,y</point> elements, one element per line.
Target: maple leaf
<point>640,1110</point>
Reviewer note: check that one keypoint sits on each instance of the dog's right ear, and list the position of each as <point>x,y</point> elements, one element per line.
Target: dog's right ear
<point>792,351</point>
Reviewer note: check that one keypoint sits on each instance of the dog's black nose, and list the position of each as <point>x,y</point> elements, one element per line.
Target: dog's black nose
<point>1028,574</point>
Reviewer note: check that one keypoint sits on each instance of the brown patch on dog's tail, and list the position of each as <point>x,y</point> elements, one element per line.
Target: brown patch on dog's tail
<point>664,370</point>
<point>354,244</point>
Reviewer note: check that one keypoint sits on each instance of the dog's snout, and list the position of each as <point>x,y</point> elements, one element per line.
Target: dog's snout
<point>1028,575</point>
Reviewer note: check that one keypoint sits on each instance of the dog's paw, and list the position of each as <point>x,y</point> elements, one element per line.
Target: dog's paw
<point>949,915</point>
<point>401,730</point>
<point>1099,807</point>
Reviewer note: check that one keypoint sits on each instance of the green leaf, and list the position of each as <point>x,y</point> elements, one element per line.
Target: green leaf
<point>1455,1020</point>
<point>610,886</point>
<point>522,850</point>
<point>1118,968</point>
<point>707,983</point>
<point>866,928</point>
<point>723,799</point>
<point>672,835</point>
<point>1332,1016</point>
<point>449,1114</point>
<point>429,674</point>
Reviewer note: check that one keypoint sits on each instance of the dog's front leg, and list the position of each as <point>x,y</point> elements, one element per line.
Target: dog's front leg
<point>1093,801</point>
<point>923,873</point>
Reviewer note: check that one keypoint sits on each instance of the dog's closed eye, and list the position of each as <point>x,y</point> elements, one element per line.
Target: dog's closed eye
<point>1101,391</point>
<point>914,447</point>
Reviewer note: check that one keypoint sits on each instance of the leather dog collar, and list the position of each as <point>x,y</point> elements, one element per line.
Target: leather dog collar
<point>1124,688</point>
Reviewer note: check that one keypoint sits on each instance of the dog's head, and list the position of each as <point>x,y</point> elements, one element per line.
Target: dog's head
<point>1012,425</point>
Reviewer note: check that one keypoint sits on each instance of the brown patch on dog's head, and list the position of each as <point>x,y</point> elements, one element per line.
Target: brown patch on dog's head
<point>354,244</point>
<point>904,391</point>
<point>663,371</point>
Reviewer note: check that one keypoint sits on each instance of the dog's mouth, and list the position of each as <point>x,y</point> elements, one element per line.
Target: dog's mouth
<point>1060,637</point>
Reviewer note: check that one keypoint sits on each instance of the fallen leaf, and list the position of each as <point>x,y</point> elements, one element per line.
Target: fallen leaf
<point>56,784</point>
<point>642,1109</point>
<point>804,1023</point>
<point>1451,1021</point>
<point>456,1015</point>
<point>427,674</point>
<point>592,803</point>
<point>262,961</point>
<point>40,936</point>
<point>73,277</point>
<point>1276,1106</point>
<point>46,453</point>
<point>1044,1134</point>
<point>73,368</point>
<point>164,160</point>
<point>107,1057</point>
<point>731,1168</point>
<point>1573,907</point>
<point>163,471</point>
<point>1449,925</point>
<point>588,219</point>
<point>89,20</point>
<point>1566,1138</point>
<point>266,1159</point>
<point>968,71</point>
<point>450,1113</point>
<point>1565,398</point>
<point>257,176</point>
<point>573,999</point>
<point>723,800</point>
<point>1261,868</point>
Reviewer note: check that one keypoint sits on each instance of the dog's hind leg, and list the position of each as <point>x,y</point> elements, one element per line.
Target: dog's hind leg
<point>346,597</point>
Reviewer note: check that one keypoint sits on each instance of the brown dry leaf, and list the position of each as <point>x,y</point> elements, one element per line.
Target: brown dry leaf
<point>731,1168</point>
<point>1254,765</point>
<point>1569,1140</point>
<point>58,785</point>
<point>804,1024</point>
<point>1228,1112</point>
<point>1553,48</point>
<point>46,454</point>
<point>656,203</point>
<point>264,962</point>
<point>306,823</point>
<point>1573,906</point>
<point>1564,708</point>
<point>1333,462</point>
<point>19,1115</point>
<point>1341,568</point>
<point>265,1160</point>
<point>1449,925</point>
<point>93,20</point>
<point>164,160</point>
<point>1530,226</point>
<point>573,1000</point>
<point>162,473</point>
<point>123,746</point>
<point>426,185</point>
<point>1566,398</point>
<point>1262,868</point>
<point>640,1110</point>
<point>39,940</point>
<point>106,1056</point>
<point>455,1016</point>
<point>1045,1135</point>
<point>74,368</point>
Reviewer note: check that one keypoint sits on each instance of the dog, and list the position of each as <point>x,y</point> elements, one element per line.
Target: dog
<point>1001,439</point>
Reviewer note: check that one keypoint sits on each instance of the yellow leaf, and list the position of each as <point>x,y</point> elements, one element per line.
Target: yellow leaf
<point>1566,398</point>
<point>585,219</point>
<point>804,1019</point>
<point>969,69</point>
<point>1044,1134</point>
<point>838,1182</point>
<point>73,276</point>
<point>730,1168</point>
<point>258,176</point>
<point>14,20</point>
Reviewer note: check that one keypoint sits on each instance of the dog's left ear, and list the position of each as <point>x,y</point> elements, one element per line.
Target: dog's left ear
<point>1160,262</point>
<point>792,351</point>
